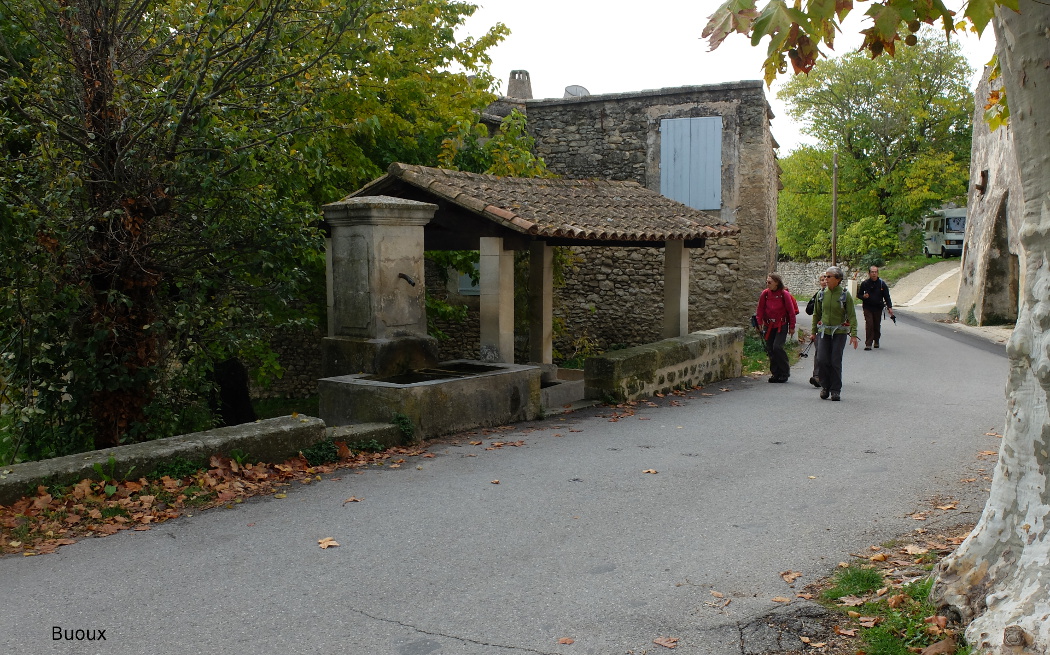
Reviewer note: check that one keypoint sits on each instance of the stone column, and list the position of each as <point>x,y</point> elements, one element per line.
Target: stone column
<point>676,289</point>
<point>374,261</point>
<point>497,301</point>
<point>541,303</point>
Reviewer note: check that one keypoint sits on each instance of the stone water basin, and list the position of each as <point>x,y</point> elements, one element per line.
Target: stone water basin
<point>449,397</point>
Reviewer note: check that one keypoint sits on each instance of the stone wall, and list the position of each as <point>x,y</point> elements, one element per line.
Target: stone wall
<point>801,277</point>
<point>617,137</point>
<point>299,352</point>
<point>614,296</point>
<point>992,257</point>
<point>660,367</point>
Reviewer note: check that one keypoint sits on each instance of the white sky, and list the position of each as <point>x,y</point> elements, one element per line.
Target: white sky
<point>613,46</point>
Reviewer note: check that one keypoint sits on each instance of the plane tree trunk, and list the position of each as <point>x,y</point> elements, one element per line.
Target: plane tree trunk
<point>998,581</point>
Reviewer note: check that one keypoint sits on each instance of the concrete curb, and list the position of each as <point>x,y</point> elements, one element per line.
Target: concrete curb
<point>272,440</point>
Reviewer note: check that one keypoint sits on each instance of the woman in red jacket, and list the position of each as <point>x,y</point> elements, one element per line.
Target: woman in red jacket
<point>776,320</point>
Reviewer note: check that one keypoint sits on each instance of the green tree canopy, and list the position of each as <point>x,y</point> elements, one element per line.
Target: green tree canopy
<point>901,153</point>
<point>164,163</point>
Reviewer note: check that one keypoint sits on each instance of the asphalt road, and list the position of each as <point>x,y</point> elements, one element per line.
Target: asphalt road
<point>576,540</point>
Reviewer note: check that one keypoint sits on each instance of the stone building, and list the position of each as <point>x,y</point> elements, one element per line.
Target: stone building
<point>992,259</point>
<point>709,147</point>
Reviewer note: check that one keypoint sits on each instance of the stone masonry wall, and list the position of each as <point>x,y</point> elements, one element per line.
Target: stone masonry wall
<point>618,137</point>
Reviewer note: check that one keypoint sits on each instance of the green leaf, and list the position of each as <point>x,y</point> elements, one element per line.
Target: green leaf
<point>981,12</point>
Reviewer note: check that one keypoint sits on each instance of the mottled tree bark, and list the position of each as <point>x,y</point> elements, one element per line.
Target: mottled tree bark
<point>998,581</point>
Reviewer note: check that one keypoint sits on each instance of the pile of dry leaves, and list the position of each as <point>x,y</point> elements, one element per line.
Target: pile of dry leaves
<point>39,524</point>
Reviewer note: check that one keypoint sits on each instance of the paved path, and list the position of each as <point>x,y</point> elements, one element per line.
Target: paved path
<point>576,541</point>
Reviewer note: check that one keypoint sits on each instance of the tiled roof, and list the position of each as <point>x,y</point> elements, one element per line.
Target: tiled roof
<point>598,210</point>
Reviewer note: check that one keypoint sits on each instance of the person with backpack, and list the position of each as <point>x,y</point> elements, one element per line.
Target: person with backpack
<point>834,321</point>
<point>874,294</point>
<point>822,280</point>
<point>776,320</point>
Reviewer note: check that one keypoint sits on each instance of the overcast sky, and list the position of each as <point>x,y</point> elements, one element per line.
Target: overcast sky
<point>612,46</point>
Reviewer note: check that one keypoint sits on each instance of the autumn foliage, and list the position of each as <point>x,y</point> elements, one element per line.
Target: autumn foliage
<point>39,524</point>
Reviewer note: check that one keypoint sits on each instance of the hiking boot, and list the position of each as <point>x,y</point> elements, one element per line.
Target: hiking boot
<point>824,393</point>
<point>835,396</point>
<point>815,382</point>
<point>876,344</point>
<point>868,347</point>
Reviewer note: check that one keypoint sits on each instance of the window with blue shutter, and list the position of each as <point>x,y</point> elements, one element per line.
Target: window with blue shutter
<point>691,161</point>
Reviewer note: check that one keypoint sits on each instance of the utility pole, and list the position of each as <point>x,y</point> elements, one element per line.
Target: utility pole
<point>835,209</point>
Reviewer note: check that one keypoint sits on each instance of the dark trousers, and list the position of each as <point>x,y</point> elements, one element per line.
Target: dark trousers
<point>872,326</point>
<point>816,360</point>
<point>778,360</point>
<point>829,354</point>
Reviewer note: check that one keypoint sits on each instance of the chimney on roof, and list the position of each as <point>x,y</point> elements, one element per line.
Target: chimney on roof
<point>519,87</point>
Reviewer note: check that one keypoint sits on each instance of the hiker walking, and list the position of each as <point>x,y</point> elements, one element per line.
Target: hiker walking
<point>874,294</point>
<point>834,320</point>
<point>776,320</point>
<point>822,280</point>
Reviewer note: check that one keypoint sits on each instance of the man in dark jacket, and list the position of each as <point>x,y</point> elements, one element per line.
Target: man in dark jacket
<point>874,295</point>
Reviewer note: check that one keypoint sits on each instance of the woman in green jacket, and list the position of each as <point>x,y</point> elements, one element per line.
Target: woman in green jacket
<point>834,320</point>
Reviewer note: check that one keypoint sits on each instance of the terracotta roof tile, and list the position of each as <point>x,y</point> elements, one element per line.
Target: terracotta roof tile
<point>579,209</point>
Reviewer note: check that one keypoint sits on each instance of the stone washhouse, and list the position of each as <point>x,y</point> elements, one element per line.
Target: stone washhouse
<point>709,147</point>
<point>378,360</point>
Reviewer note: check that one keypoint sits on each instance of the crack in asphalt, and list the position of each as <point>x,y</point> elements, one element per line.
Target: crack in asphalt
<point>448,636</point>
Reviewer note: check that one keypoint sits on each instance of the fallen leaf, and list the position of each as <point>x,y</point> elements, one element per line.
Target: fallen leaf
<point>944,647</point>
<point>790,576</point>
<point>804,596</point>
<point>495,482</point>
<point>280,495</point>
<point>868,621</point>
<point>878,557</point>
<point>896,601</point>
<point>666,642</point>
<point>938,621</point>
<point>781,599</point>
<point>912,549</point>
<point>718,594</point>
<point>851,601</point>
<point>805,640</point>
<point>946,507</point>
<point>853,615</point>
<point>327,542</point>
<point>566,640</point>
<point>649,471</point>
<point>352,499</point>
<point>852,632</point>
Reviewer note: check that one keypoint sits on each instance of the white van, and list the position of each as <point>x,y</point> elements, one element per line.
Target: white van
<point>943,232</point>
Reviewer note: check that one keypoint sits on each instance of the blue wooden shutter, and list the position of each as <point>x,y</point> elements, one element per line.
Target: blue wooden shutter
<point>691,161</point>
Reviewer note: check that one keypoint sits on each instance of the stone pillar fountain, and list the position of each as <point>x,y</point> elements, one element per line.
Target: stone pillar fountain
<point>377,360</point>
<point>376,312</point>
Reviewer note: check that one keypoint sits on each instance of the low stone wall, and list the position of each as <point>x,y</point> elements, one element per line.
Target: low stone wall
<point>801,277</point>
<point>694,359</point>
<point>271,440</point>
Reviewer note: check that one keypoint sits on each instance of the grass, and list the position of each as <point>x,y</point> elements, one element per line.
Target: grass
<point>755,361</point>
<point>894,270</point>
<point>854,581</point>
<point>893,620</point>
